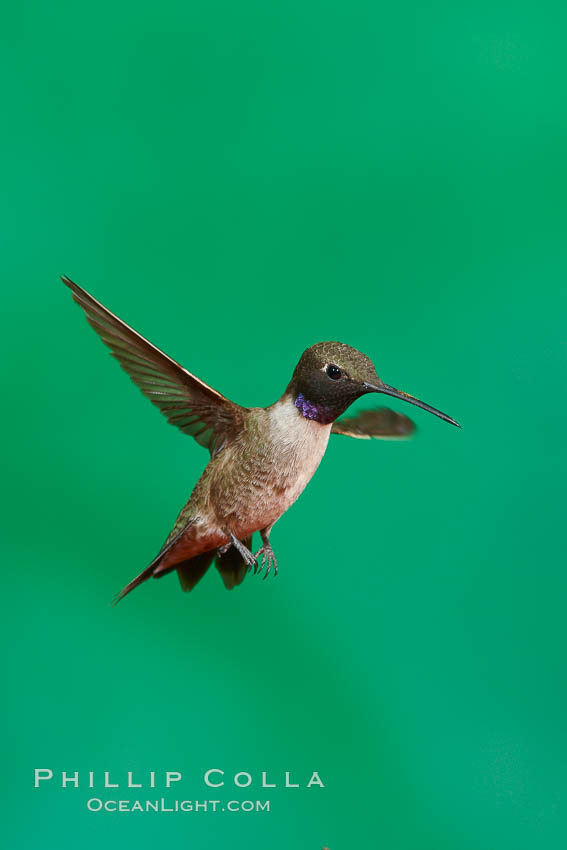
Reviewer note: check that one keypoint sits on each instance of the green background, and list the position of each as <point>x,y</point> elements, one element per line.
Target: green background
<point>239,181</point>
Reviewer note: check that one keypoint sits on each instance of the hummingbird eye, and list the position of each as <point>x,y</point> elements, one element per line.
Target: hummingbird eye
<point>334,372</point>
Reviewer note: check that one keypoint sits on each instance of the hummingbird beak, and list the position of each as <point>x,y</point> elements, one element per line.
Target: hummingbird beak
<point>387,390</point>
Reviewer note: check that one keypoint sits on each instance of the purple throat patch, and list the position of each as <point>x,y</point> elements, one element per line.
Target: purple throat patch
<point>311,411</point>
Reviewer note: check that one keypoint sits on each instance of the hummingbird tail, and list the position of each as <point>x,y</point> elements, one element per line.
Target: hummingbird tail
<point>231,566</point>
<point>192,571</point>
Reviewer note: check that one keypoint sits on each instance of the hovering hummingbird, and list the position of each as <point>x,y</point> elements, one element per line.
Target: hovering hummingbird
<point>261,458</point>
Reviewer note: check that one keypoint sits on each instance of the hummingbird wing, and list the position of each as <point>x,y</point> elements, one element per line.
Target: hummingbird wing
<point>380,424</point>
<point>185,401</point>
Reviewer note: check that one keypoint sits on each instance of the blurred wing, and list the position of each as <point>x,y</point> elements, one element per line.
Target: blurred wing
<point>184,400</point>
<point>381,424</point>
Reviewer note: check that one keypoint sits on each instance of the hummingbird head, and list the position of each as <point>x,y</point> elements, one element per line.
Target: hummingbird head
<point>330,376</point>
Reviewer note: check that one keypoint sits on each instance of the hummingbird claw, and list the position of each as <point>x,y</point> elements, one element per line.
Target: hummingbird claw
<point>267,555</point>
<point>246,554</point>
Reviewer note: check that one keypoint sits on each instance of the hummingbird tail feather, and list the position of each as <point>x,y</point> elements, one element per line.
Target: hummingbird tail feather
<point>232,566</point>
<point>192,571</point>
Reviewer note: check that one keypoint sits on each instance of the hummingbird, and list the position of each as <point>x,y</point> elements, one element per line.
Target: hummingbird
<point>261,458</point>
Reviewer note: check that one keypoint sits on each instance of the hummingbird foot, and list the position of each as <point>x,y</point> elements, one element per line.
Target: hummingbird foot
<point>267,554</point>
<point>246,554</point>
